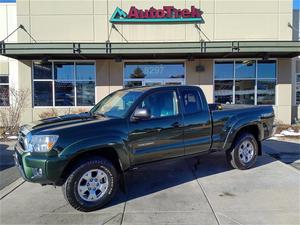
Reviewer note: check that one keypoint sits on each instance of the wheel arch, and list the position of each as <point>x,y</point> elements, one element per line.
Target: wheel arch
<point>253,129</point>
<point>109,153</point>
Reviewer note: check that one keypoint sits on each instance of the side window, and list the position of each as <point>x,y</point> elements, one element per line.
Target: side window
<point>191,101</point>
<point>161,104</point>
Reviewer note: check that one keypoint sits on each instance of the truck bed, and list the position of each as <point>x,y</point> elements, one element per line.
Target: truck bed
<point>226,116</point>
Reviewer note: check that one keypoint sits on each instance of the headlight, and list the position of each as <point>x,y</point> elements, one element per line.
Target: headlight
<point>39,143</point>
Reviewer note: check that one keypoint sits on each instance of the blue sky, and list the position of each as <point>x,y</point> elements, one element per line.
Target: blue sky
<point>7,1</point>
<point>296,3</point>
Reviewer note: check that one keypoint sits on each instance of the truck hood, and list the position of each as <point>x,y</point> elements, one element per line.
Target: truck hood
<point>63,121</point>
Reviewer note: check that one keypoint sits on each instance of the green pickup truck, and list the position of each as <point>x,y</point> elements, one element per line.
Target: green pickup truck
<point>88,153</point>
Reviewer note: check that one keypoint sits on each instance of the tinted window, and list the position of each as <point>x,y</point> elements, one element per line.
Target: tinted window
<point>245,69</point>
<point>42,93</point>
<point>64,93</point>
<point>154,70</point>
<point>191,101</point>
<point>70,80</point>
<point>4,79</point>
<point>4,95</point>
<point>266,69</point>
<point>161,104</point>
<point>224,91</point>
<point>85,71</point>
<point>266,92</point>
<point>85,91</point>
<point>42,70</point>
<point>64,71</point>
<point>224,70</point>
<point>244,92</point>
<point>236,81</point>
<point>130,84</point>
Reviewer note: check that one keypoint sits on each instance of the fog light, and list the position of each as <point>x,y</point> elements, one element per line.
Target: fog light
<point>37,172</point>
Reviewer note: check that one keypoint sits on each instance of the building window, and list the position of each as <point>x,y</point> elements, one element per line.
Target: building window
<point>245,82</point>
<point>64,84</point>
<point>4,90</point>
<point>150,74</point>
<point>266,82</point>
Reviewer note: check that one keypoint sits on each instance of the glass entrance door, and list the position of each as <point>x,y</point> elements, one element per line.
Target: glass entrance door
<point>153,74</point>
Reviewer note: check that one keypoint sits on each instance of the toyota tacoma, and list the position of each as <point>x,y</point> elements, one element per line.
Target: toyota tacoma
<point>88,153</point>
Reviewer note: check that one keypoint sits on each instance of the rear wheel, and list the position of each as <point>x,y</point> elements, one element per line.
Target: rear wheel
<point>244,152</point>
<point>91,185</point>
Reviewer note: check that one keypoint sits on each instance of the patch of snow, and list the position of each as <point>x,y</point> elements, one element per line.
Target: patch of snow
<point>290,132</point>
<point>12,137</point>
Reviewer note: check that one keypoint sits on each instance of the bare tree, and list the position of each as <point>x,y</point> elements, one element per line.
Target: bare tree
<point>10,115</point>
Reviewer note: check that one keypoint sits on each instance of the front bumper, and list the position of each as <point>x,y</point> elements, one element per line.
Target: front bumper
<point>38,168</point>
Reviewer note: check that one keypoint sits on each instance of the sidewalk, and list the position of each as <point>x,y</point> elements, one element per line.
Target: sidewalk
<point>285,150</point>
<point>175,193</point>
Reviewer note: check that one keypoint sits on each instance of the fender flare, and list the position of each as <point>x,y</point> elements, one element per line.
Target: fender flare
<point>97,143</point>
<point>238,126</point>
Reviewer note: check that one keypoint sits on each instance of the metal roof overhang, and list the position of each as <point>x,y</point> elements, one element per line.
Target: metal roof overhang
<point>142,50</point>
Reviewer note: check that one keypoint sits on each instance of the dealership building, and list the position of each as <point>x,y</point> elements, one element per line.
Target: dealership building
<point>70,54</point>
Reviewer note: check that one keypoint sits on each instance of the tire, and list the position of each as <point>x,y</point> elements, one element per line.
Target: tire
<point>104,176</point>
<point>239,156</point>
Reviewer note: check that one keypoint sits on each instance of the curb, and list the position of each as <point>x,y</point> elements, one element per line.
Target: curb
<point>10,188</point>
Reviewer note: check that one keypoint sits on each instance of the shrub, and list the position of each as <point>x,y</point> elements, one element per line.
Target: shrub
<point>48,114</point>
<point>10,115</point>
<point>53,112</point>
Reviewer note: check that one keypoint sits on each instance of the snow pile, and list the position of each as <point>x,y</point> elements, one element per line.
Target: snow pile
<point>13,137</point>
<point>288,133</point>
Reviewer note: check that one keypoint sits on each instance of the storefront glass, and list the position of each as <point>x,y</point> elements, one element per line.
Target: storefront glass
<point>224,91</point>
<point>266,92</point>
<point>244,92</point>
<point>245,82</point>
<point>150,74</point>
<point>67,84</point>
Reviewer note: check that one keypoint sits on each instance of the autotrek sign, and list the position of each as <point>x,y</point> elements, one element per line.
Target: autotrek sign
<point>167,14</point>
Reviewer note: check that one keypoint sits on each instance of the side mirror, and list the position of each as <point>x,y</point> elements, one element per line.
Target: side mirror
<point>141,114</point>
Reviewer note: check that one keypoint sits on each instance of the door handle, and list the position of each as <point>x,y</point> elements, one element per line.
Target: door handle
<point>176,124</point>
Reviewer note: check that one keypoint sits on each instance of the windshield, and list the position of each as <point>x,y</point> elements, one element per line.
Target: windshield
<point>116,104</point>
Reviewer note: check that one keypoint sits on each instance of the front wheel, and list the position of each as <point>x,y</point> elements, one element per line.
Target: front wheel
<point>91,185</point>
<point>244,152</point>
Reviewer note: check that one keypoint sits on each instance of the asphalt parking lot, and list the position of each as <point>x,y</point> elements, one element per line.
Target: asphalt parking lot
<point>176,192</point>
<point>8,171</point>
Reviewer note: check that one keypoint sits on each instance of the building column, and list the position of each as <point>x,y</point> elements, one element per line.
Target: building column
<point>202,78</point>
<point>295,72</point>
<point>25,84</point>
<point>283,108</point>
<point>109,77</point>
